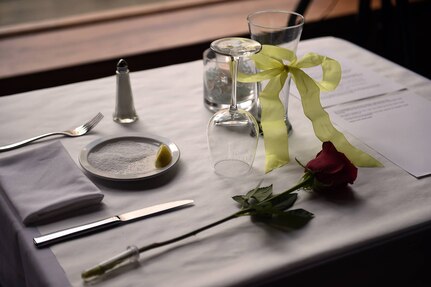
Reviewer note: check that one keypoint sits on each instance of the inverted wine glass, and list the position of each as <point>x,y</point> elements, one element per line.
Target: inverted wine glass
<point>233,133</point>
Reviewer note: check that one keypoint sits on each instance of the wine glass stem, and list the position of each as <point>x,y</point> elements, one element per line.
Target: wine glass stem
<point>234,72</point>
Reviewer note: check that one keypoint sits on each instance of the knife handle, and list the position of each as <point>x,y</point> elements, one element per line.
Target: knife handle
<point>68,233</point>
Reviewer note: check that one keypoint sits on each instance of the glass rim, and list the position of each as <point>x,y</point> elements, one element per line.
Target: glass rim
<point>276,11</point>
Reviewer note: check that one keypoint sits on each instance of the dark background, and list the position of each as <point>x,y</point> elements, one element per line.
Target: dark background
<point>397,32</point>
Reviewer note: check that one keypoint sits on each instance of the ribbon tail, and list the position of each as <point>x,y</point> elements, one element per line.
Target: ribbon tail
<point>323,128</point>
<point>273,124</point>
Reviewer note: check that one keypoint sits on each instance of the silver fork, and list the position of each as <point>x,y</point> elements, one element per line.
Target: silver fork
<point>76,132</point>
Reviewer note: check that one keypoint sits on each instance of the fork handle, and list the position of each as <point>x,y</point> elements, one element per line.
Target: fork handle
<point>24,142</point>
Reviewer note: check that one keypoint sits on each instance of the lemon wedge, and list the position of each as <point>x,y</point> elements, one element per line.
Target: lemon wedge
<point>163,157</point>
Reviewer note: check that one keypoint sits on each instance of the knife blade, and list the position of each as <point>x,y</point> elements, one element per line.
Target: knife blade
<point>71,232</point>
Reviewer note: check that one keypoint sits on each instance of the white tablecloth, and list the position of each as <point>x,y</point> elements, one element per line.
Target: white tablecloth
<point>384,202</point>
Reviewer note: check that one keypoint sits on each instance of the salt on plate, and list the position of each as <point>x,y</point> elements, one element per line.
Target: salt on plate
<point>124,157</point>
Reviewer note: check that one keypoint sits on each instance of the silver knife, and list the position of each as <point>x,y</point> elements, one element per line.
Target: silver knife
<point>68,233</point>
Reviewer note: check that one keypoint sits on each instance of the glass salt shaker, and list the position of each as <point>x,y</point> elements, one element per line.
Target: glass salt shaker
<point>124,109</point>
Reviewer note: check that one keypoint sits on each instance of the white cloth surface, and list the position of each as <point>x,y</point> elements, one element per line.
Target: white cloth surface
<point>44,183</point>
<point>383,202</point>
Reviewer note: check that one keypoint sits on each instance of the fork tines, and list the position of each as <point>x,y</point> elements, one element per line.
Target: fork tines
<point>93,122</point>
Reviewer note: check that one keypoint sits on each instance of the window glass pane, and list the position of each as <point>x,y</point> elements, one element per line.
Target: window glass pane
<point>14,12</point>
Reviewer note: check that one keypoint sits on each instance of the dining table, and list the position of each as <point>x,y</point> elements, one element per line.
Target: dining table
<point>382,204</point>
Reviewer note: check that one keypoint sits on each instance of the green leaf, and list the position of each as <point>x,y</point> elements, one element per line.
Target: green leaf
<point>241,199</point>
<point>262,193</point>
<point>262,205</point>
<point>263,210</point>
<point>282,197</point>
<point>286,202</point>
<point>251,193</point>
<point>293,219</point>
<point>254,196</point>
<point>286,221</point>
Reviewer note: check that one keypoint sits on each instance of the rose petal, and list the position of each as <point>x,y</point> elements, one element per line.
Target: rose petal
<point>332,168</point>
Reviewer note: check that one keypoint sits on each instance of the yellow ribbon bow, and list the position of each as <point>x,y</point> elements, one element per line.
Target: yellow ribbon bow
<point>270,62</point>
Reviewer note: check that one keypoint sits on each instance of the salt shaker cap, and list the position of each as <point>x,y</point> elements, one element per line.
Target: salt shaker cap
<point>122,66</point>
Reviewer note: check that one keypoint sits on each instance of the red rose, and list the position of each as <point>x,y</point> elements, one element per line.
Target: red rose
<point>332,168</point>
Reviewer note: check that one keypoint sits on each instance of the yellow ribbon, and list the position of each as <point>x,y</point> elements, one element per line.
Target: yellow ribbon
<point>270,61</point>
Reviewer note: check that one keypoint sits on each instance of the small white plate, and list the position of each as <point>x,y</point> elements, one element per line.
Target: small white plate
<point>126,158</point>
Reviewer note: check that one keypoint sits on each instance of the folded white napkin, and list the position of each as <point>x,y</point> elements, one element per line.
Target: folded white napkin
<point>45,182</point>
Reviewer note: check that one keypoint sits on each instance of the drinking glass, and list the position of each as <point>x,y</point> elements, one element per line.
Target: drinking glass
<point>217,83</point>
<point>279,28</point>
<point>232,132</point>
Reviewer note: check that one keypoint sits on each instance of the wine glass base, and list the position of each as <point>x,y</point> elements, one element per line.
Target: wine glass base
<point>231,167</point>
